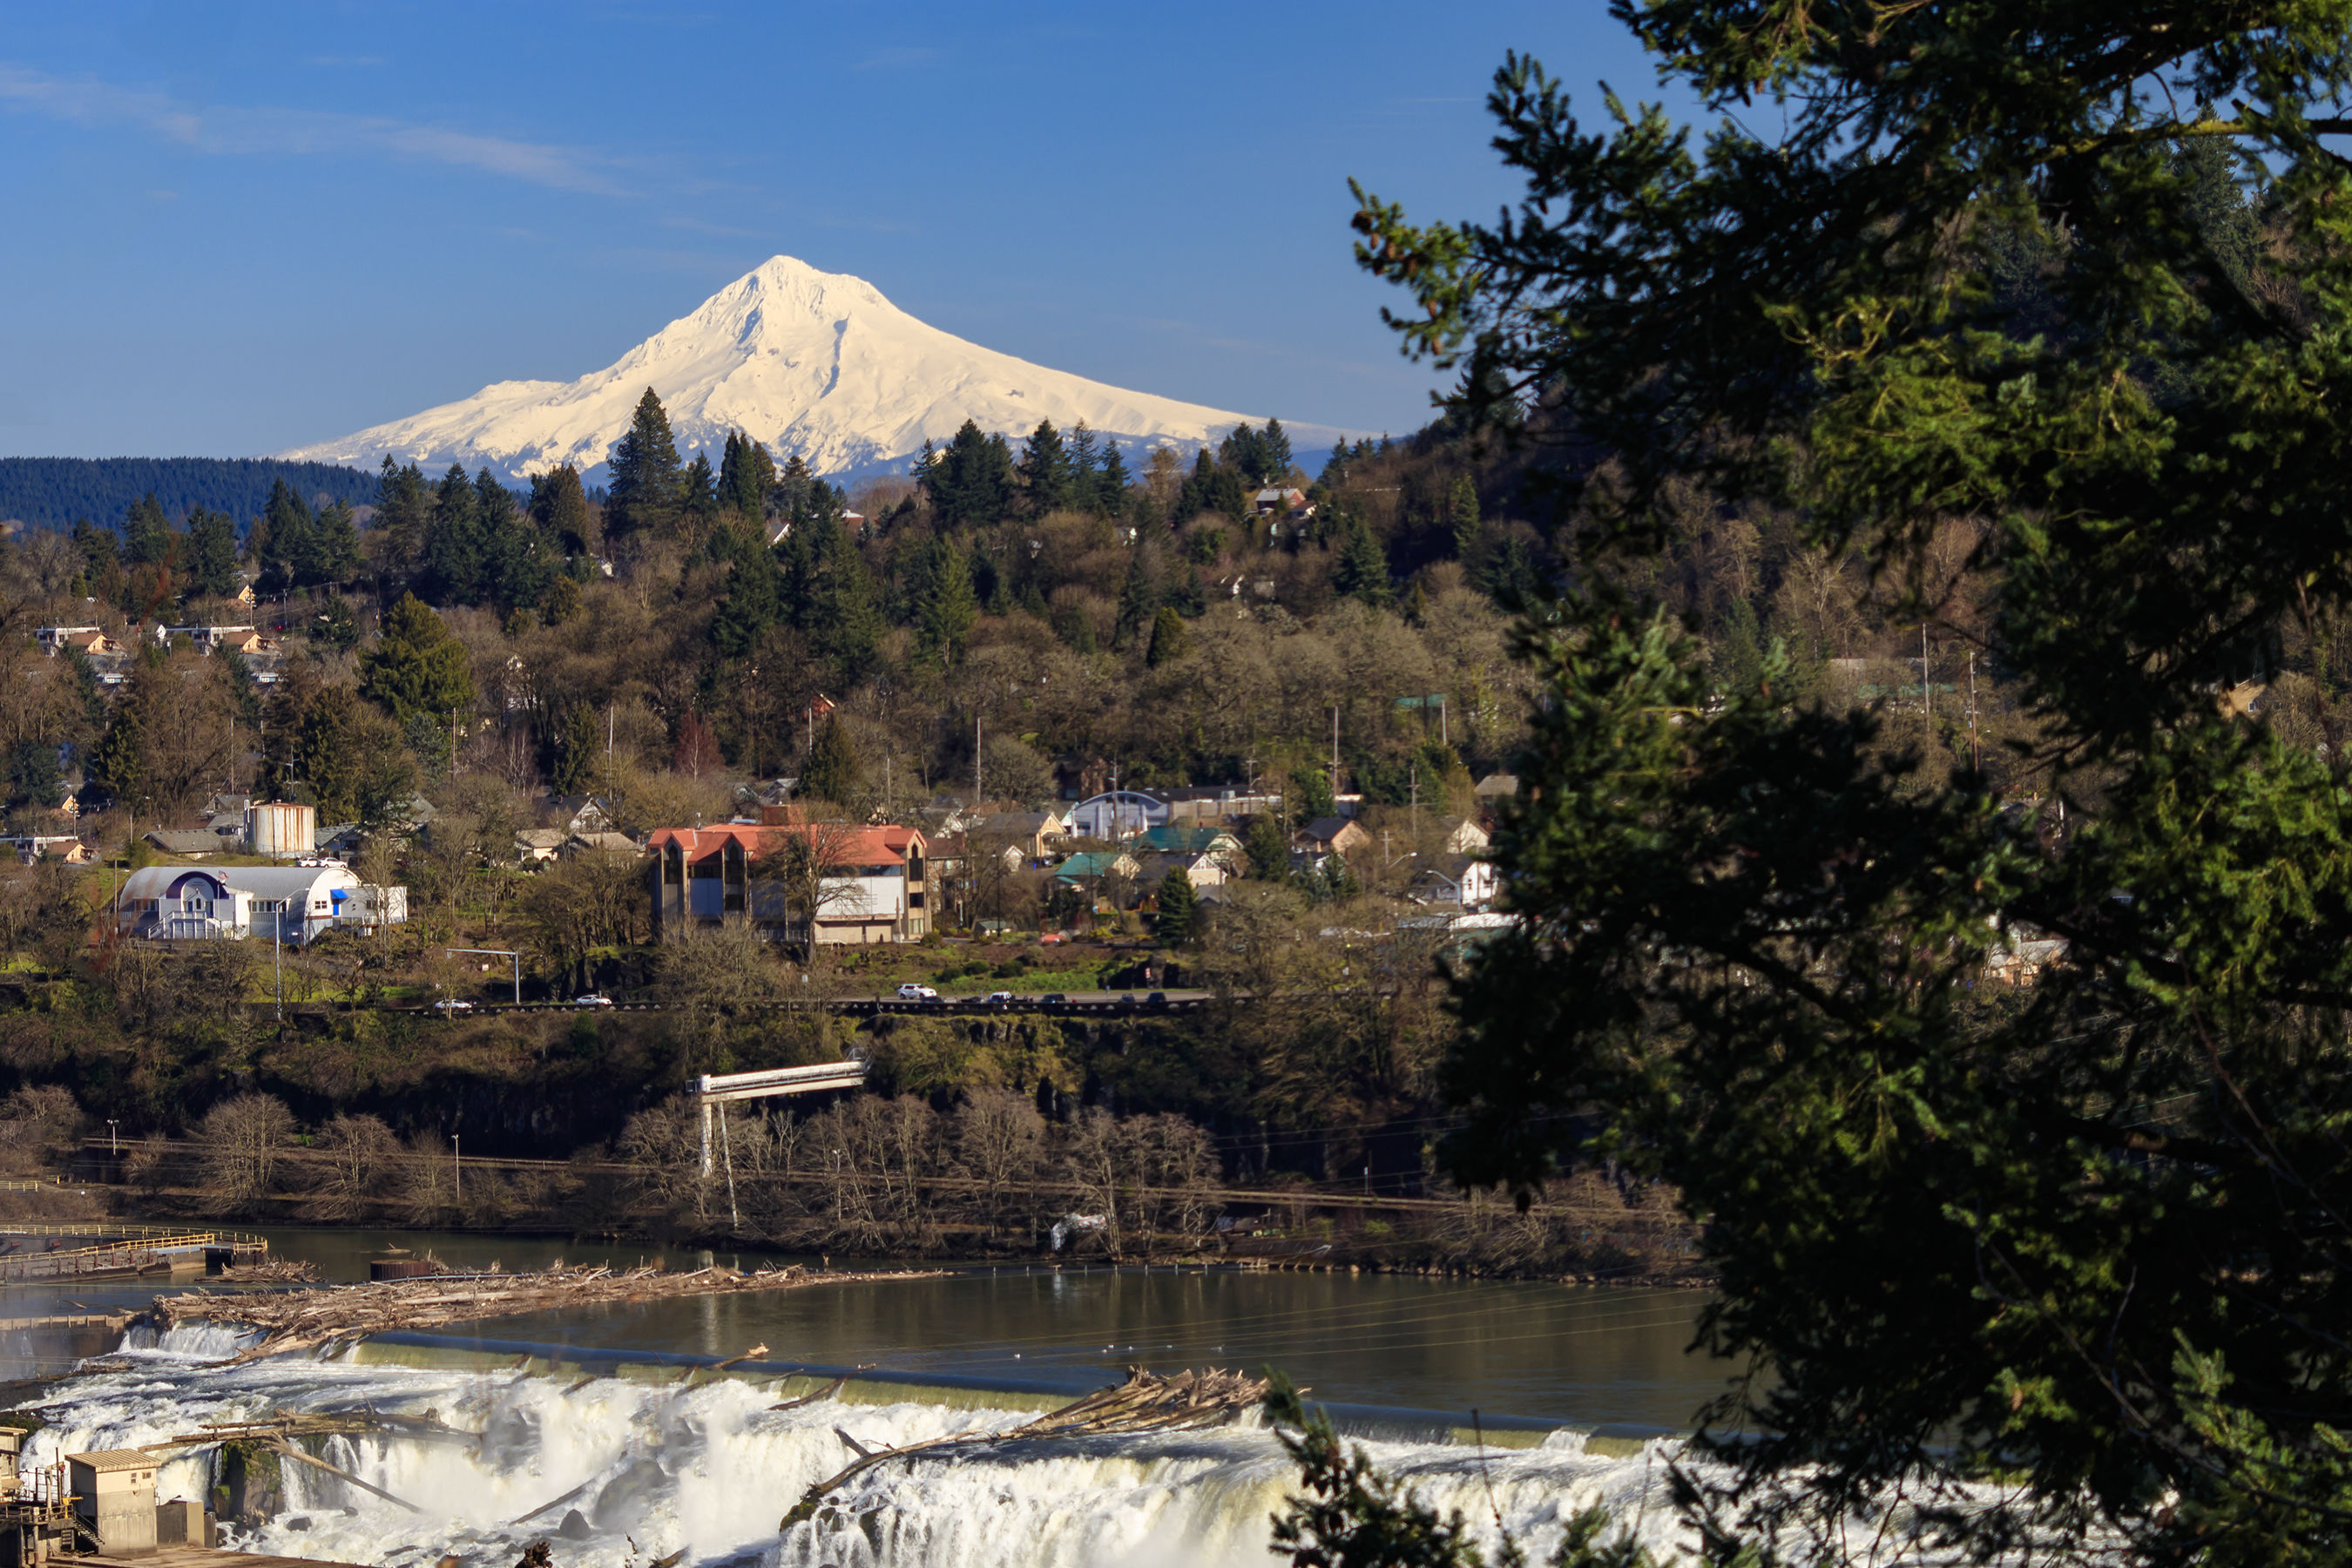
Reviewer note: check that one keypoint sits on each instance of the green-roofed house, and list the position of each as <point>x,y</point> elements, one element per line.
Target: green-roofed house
<point>1090,868</point>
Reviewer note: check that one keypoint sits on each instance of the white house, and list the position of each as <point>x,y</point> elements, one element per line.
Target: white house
<point>296,904</point>
<point>1456,879</point>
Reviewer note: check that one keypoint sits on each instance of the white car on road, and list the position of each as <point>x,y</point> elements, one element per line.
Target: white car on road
<point>593,999</point>
<point>910,992</point>
<point>450,1006</point>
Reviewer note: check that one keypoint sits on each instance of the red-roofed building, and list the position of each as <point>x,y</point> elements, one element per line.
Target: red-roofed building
<point>875,886</point>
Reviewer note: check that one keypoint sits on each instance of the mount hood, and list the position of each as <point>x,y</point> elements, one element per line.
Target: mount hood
<point>814,362</point>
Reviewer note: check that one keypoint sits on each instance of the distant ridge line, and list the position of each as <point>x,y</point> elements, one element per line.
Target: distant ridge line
<point>52,492</point>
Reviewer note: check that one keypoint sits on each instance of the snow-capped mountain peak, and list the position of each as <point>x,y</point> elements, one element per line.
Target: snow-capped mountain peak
<point>818,364</point>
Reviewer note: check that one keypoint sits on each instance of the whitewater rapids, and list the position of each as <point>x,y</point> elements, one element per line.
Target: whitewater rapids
<point>708,1470</point>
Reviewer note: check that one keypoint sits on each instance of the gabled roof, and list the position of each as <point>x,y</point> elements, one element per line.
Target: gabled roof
<point>185,840</point>
<point>851,845</point>
<point>1324,829</point>
<point>1173,839</point>
<point>1092,863</point>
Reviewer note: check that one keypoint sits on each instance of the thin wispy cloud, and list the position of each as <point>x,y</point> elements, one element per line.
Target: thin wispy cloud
<point>229,130</point>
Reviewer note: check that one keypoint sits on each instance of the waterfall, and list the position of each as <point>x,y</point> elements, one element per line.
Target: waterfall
<point>708,1470</point>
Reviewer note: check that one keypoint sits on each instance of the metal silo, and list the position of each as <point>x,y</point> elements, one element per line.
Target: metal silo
<point>281,828</point>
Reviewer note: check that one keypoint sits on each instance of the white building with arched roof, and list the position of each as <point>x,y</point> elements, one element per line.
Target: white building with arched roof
<point>295,904</point>
<point>1117,814</point>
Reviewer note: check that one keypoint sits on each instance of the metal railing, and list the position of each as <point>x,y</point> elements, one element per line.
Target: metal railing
<point>109,1229</point>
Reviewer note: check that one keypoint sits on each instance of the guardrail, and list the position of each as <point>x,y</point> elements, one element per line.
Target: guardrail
<point>154,1247</point>
<point>116,1230</point>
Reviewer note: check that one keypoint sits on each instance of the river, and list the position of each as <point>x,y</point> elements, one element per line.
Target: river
<point>663,1466</point>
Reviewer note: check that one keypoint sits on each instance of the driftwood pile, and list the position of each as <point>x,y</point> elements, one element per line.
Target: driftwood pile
<point>1146,1402</point>
<point>297,1320</point>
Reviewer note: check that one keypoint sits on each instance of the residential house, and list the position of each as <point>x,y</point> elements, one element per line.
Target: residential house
<point>1283,500</point>
<point>91,642</point>
<point>535,845</point>
<point>65,846</point>
<point>341,840</point>
<point>192,843</point>
<point>1332,834</point>
<point>294,904</point>
<point>1497,786</point>
<point>1207,856</point>
<point>1202,869</point>
<point>1089,869</point>
<point>599,844</point>
<point>1032,834</point>
<point>1465,837</point>
<point>578,814</point>
<point>1455,879</point>
<point>876,883</point>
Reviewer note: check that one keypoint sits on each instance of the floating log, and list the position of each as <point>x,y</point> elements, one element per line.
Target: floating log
<point>827,1391</point>
<point>1146,1402</point>
<point>298,1319</point>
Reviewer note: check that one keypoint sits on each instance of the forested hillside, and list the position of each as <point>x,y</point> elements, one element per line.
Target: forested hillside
<point>53,492</point>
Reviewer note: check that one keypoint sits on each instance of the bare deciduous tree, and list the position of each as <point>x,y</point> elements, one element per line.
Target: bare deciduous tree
<point>362,1152</point>
<point>239,1142</point>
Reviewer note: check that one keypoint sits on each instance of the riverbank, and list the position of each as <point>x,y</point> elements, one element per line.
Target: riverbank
<point>1586,1231</point>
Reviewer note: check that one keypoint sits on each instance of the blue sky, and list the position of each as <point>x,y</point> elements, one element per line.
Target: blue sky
<point>235,229</point>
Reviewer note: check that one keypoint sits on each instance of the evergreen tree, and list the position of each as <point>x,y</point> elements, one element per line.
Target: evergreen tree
<point>146,532</point>
<point>1311,798</point>
<point>1179,910</point>
<point>560,506</point>
<point>2069,1258</point>
<point>699,497</point>
<point>1110,483</point>
<point>1083,461</point>
<point>644,495</point>
<point>33,775</point>
<point>746,475</point>
<point>575,752</point>
<point>947,609</point>
<point>212,553</point>
<point>282,539</point>
<point>970,481</point>
<point>416,670</point>
<point>1169,640</point>
<point>1462,511</point>
<point>1274,450</point>
<point>1362,569</point>
<point>1045,470</point>
<point>834,770</point>
<point>453,569</point>
<point>101,551</point>
<point>1139,595</point>
<point>403,512</point>
<point>847,617</point>
<point>753,601</point>
<point>118,764</point>
<point>1267,848</point>
<point>335,555</point>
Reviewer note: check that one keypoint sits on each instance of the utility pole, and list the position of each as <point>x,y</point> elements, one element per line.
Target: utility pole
<point>1335,756</point>
<point>975,761</point>
<point>1415,797</point>
<point>458,1166</point>
<point>1442,738</point>
<point>1974,764</point>
<point>1926,691</point>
